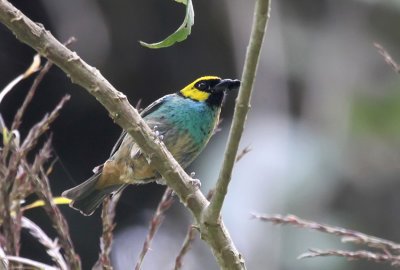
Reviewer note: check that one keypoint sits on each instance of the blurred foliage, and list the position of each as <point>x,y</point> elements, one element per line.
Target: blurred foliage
<point>389,3</point>
<point>378,115</point>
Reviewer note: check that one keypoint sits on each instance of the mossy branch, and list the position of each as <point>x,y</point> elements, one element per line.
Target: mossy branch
<point>116,103</point>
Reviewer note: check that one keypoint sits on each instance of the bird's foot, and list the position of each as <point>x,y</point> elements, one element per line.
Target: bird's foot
<point>193,181</point>
<point>157,133</point>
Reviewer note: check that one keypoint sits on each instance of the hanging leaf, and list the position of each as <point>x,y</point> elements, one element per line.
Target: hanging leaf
<point>181,33</point>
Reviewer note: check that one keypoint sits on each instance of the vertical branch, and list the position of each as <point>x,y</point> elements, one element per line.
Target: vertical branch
<point>260,20</point>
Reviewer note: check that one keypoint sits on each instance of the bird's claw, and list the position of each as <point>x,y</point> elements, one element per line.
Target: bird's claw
<point>195,182</point>
<point>157,133</point>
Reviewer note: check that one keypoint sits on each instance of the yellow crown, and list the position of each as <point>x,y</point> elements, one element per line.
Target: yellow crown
<point>190,91</point>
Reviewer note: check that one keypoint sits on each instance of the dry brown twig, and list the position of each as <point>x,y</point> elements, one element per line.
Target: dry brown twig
<point>188,241</point>
<point>354,255</point>
<point>15,184</point>
<point>155,223</point>
<point>42,187</point>
<point>107,217</point>
<point>186,246</point>
<point>387,247</point>
<point>346,234</point>
<point>9,171</point>
<point>34,178</point>
<point>39,78</point>
<point>387,57</point>
<point>20,179</point>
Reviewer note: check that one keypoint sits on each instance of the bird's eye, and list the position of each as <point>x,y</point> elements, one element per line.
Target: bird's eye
<point>202,86</point>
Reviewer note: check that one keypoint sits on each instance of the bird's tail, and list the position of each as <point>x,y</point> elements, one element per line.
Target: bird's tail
<point>86,197</point>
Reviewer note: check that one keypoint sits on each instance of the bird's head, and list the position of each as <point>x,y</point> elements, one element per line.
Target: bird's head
<point>209,89</point>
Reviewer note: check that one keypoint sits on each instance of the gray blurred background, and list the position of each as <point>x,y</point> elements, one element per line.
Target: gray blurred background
<point>324,128</point>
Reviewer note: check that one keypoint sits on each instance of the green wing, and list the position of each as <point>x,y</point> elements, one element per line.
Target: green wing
<point>149,109</point>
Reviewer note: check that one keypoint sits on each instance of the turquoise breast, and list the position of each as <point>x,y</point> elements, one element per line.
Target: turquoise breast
<point>186,126</point>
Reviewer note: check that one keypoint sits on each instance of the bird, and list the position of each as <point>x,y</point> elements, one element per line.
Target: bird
<point>184,121</point>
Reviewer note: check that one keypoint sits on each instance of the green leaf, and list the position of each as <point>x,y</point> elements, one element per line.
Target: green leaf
<point>181,33</point>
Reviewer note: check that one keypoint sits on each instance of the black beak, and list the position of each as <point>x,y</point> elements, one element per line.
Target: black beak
<point>227,84</point>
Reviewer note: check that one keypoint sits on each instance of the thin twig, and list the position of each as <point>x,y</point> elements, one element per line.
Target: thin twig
<point>9,178</point>
<point>218,127</point>
<point>11,142</point>
<point>189,239</point>
<point>186,246</point>
<point>347,235</point>
<point>17,119</point>
<point>242,153</point>
<point>41,127</point>
<point>260,20</point>
<point>164,204</point>
<point>16,172</point>
<point>107,217</point>
<point>388,59</point>
<point>31,139</point>
<point>18,116</point>
<point>353,255</point>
